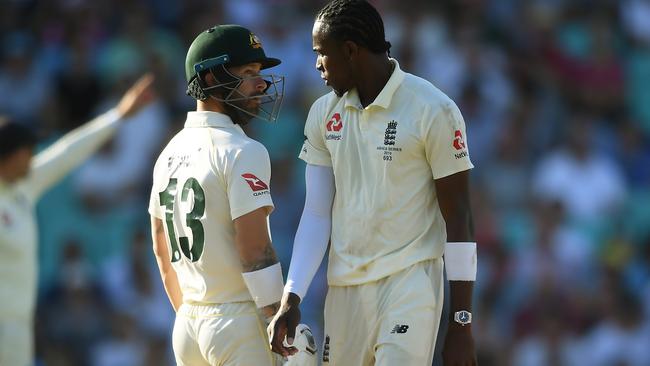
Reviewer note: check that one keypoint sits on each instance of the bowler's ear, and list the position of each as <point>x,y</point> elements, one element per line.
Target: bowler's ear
<point>350,50</point>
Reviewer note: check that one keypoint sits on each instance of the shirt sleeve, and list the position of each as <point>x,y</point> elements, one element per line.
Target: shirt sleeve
<point>248,180</point>
<point>155,208</point>
<point>313,149</point>
<point>53,163</point>
<point>445,142</point>
<point>313,233</point>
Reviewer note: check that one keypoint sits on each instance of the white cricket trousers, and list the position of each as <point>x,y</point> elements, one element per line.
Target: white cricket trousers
<point>231,334</point>
<point>390,322</point>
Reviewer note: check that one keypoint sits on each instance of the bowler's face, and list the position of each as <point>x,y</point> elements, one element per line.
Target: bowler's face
<point>331,61</point>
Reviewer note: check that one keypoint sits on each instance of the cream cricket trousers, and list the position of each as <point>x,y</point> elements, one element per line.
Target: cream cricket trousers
<point>390,322</point>
<point>230,334</point>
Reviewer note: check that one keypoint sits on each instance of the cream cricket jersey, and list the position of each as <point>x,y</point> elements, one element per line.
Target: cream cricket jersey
<point>18,229</point>
<point>385,158</point>
<point>209,174</point>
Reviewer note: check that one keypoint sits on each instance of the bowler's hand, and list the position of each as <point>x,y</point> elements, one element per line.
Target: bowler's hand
<point>459,346</point>
<point>284,324</point>
<point>138,96</point>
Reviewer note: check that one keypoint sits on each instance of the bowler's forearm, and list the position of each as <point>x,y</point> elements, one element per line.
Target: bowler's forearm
<point>460,296</point>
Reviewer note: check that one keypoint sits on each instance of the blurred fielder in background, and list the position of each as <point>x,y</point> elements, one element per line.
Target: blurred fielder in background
<point>23,179</point>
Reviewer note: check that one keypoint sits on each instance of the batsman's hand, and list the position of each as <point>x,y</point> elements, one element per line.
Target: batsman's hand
<point>284,324</point>
<point>138,96</point>
<point>459,346</point>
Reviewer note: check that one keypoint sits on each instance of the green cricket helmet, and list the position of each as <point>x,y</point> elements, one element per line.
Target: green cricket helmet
<point>221,47</point>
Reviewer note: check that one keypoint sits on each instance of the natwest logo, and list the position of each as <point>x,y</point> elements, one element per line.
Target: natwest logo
<point>335,124</point>
<point>254,182</point>
<point>459,143</point>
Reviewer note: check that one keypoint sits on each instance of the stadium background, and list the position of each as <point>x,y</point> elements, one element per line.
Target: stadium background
<point>556,97</point>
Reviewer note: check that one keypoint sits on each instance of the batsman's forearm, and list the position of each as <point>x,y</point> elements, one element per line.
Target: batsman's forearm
<point>262,275</point>
<point>172,288</point>
<point>256,260</point>
<point>163,260</point>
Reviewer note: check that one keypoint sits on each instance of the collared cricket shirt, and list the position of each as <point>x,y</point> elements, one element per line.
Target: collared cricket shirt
<point>385,158</point>
<point>209,174</point>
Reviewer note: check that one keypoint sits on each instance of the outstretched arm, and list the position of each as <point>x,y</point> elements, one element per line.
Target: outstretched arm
<point>309,247</point>
<point>167,273</point>
<point>52,164</point>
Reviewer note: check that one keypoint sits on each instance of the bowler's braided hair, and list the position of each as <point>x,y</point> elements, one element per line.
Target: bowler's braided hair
<point>357,21</point>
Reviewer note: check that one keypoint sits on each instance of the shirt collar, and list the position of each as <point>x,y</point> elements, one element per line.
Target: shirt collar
<point>208,119</point>
<point>385,96</point>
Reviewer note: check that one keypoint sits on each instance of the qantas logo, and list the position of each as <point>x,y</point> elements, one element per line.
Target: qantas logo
<point>335,124</point>
<point>254,182</point>
<point>459,143</point>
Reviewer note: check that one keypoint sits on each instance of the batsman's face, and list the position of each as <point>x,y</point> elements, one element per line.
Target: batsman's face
<point>252,85</point>
<point>331,60</point>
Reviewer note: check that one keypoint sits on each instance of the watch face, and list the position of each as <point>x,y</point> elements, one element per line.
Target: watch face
<point>463,317</point>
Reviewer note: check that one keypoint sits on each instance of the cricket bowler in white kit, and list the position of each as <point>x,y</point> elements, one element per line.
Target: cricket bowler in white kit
<point>23,180</point>
<point>209,209</point>
<point>387,185</point>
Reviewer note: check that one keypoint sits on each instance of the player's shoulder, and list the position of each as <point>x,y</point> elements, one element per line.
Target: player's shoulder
<point>244,146</point>
<point>161,166</point>
<point>430,99</point>
<point>165,151</point>
<point>324,103</point>
<point>424,91</point>
<point>253,145</point>
<point>326,100</point>
<point>175,142</point>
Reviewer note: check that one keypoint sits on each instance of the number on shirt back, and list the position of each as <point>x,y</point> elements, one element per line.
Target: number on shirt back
<point>192,219</point>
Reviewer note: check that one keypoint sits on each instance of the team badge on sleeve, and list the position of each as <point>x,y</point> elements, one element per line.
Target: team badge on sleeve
<point>459,145</point>
<point>254,182</point>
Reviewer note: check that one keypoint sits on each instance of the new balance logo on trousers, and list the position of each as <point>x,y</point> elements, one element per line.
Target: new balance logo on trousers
<point>400,328</point>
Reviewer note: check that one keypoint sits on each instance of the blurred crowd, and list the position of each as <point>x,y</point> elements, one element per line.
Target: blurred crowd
<point>556,98</point>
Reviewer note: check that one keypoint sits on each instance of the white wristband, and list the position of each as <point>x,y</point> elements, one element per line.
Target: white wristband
<point>460,261</point>
<point>265,285</point>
